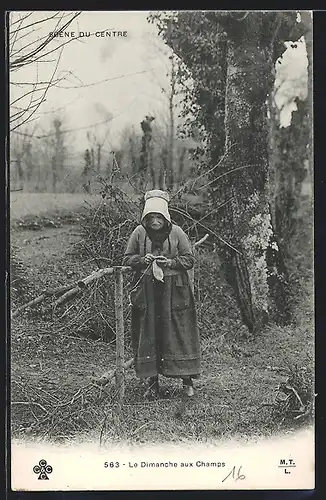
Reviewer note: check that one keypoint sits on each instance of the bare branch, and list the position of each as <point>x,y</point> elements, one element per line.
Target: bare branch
<point>19,114</point>
<point>21,19</point>
<point>37,55</point>
<point>182,212</point>
<point>211,212</point>
<point>37,22</point>
<point>37,59</point>
<point>227,173</point>
<point>12,54</point>
<point>28,57</point>
<point>107,79</point>
<point>27,93</point>
<point>29,44</point>
<point>13,42</point>
<point>44,95</point>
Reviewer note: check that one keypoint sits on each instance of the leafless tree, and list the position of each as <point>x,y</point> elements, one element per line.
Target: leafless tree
<point>20,159</point>
<point>169,92</point>
<point>29,49</point>
<point>96,142</point>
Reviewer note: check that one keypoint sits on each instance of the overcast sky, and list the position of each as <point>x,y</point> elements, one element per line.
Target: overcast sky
<point>134,66</point>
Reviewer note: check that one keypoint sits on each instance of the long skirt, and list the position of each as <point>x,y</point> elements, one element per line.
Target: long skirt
<point>164,328</point>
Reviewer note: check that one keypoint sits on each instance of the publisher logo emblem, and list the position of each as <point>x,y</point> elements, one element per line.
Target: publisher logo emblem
<point>42,469</point>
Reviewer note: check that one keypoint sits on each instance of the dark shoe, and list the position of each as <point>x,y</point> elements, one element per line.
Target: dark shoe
<point>152,389</point>
<point>188,386</point>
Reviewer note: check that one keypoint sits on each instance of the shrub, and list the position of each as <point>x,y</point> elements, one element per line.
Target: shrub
<point>294,401</point>
<point>105,228</point>
<point>217,311</point>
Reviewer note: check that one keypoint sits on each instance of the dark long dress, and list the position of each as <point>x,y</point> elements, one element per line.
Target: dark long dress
<point>164,325</point>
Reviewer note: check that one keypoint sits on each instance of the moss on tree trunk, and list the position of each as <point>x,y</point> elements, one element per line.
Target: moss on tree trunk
<point>258,276</point>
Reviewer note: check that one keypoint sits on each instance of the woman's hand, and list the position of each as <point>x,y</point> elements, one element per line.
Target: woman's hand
<point>164,261</point>
<point>149,258</point>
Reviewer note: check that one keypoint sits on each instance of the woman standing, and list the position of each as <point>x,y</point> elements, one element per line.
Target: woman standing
<point>164,328</point>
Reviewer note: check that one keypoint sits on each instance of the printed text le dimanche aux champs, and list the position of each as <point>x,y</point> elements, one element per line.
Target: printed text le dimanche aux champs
<point>83,34</point>
<point>144,464</point>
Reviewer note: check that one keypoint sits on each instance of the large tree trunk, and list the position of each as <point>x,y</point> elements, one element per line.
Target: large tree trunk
<point>290,153</point>
<point>289,168</point>
<point>257,273</point>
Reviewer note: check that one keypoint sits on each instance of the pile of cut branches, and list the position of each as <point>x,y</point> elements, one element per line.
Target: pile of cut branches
<point>294,400</point>
<point>105,229</point>
<point>50,415</point>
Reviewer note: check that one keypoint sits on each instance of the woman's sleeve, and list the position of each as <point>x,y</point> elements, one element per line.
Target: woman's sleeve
<point>185,259</point>
<point>132,257</point>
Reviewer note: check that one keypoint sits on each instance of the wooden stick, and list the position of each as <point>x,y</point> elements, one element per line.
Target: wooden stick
<point>118,300</point>
<point>95,275</point>
<point>40,298</point>
<point>100,273</point>
<point>59,290</point>
<point>67,296</point>
<point>199,242</point>
<point>70,290</point>
<point>32,303</point>
<point>85,281</point>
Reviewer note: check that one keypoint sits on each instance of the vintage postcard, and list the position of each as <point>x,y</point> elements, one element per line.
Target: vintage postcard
<point>161,250</point>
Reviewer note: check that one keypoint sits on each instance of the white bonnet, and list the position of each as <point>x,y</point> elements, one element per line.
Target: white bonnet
<point>157,201</point>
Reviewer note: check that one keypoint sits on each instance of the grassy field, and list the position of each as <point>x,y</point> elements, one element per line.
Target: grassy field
<point>54,398</point>
<point>24,205</point>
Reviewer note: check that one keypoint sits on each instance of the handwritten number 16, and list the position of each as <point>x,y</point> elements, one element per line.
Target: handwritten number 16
<point>233,474</point>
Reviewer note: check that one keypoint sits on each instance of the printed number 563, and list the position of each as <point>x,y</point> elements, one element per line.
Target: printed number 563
<point>111,464</point>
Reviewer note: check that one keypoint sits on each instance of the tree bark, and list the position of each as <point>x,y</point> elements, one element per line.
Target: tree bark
<point>290,156</point>
<point>257,274</point>
<point>290,151</point>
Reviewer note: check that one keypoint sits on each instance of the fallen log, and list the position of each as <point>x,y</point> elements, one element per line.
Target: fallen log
<point>106,377</point>
<point>100,273</point>
<point>70,290</point>
<point>41,298</point>
<point>31,303</point>
<point>82,284</point>
<point>59,290</point>
<point>67,296</point>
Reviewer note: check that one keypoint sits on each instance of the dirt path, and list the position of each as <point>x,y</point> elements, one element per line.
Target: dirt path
<point>45,244</point>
